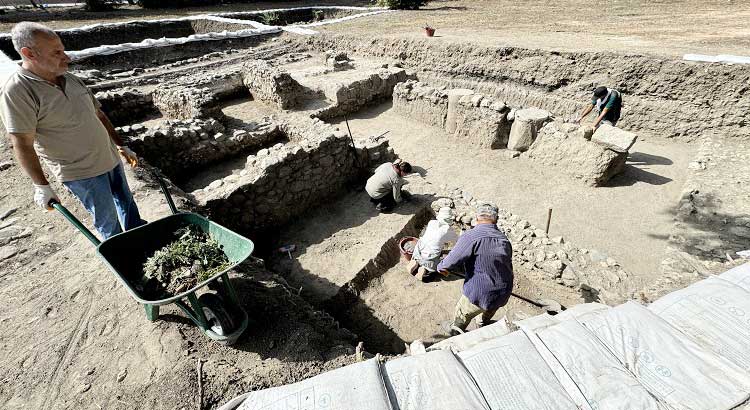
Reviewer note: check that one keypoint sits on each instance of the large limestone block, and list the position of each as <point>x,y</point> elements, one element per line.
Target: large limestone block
<point>527,123</point>
<point>591,162</point>
<point>453,101</point>
<point>616,137</point>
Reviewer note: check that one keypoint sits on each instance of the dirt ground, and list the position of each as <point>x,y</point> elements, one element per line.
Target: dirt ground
<point>669,28</point>
<point>633,210</point>
<point>76,339</point>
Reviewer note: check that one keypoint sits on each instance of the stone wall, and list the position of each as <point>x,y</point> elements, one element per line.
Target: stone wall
<point>351,97</point>
<point>270,84</point>
<point>197,96</point>
<point>480,121</point>
<point>470,117</point>
<point>126,106</point>
<point>283,181</point>
<point>421,102</point>
<point>666,97</point>
<point>563,146</point>
<point>180,148</point>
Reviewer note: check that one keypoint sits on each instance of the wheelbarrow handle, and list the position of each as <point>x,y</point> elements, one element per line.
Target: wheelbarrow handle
<point>75,222</point>
<point>165,191</point>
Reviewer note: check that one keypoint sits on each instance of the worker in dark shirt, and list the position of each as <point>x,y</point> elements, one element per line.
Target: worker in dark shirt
<point>608,103</point>
<point>484,254</point>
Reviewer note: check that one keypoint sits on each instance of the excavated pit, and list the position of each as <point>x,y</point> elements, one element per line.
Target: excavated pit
<point>250,129</point>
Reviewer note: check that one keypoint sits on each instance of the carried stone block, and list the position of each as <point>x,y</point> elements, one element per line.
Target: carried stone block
<point>526,124</point>
<point>616,137</point>
<point>589,161</point>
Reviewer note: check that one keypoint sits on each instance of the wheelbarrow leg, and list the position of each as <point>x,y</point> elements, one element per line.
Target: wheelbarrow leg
<point>152,312</point>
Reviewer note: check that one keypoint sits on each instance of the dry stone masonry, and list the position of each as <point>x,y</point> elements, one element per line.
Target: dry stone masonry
<point>270,84</point>
<point>126,106</point>
<point>283,181</point>
<point>471,118</point>
<point>526,124</point>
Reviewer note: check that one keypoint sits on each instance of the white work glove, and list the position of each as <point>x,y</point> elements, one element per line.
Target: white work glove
<point>43,194</point>
<point>128,154</point>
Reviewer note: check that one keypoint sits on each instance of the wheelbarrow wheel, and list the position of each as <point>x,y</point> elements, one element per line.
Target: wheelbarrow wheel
<point>219,319</point>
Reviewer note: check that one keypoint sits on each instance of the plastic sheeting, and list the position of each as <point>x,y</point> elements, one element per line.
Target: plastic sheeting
<point>740,276</point>
<point>721,58</point>
<point>467,340</point>
<point>714,313</point>
<point>512,375</point>
<point>435,381</point>
<point>358,386</point>
<point>673,368</point>
<point>601,378</point>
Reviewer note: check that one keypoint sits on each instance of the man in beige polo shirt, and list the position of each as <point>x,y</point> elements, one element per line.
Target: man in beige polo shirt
<point>50,114</point>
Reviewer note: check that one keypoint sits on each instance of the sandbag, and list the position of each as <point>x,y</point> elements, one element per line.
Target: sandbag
<point>673,368</point>
<point>740,276</point>
<point>357,386</point>
<point>467,340</point>
<point>512,375</point>
<point>435,381</point>
<point>602,379</point>
<point>715,314</point>
<point>545,320</point>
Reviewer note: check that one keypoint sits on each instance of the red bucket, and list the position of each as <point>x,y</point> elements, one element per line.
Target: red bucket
<point>406,246</point>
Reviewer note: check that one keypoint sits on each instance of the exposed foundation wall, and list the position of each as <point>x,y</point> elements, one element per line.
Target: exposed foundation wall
<point>350,98</point>
<point>665,97</point>
<point>421,102</point>
<point>126,106</point>
<point>181,148</point>
<point>270,84</point>
<point>198,96</point>
<point>469,117</point>
<point>284,181</point>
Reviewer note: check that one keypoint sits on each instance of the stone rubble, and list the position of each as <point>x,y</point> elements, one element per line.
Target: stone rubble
<point>596,276</point>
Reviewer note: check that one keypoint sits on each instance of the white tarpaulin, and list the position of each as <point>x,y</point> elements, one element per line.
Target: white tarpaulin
<point>740,276</point>
<point>357,386</point>
<point>602,379</point>
<point>578,311</point>
<point>671,366</point>
<point>435,381</point>
<point>513,376</point>
<point>715,314</point>
<point>467,340</point>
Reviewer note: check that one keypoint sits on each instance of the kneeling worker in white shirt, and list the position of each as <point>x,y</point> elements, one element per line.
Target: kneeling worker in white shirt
<point>429,248</point>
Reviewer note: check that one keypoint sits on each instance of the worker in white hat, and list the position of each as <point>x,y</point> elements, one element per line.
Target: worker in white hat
<point>429,248</point>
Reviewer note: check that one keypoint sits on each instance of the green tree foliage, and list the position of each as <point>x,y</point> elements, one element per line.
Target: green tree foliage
<point>402,4</point>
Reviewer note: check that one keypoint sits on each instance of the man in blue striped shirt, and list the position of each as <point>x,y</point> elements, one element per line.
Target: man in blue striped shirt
<point>484,254</point>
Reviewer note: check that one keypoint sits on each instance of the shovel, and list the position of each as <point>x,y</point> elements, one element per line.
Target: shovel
<point>551,306</point>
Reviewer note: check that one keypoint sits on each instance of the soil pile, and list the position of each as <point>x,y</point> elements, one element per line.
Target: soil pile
<point>192,258</point>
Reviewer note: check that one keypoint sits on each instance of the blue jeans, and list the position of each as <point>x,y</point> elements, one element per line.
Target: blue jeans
<point>106,197</point>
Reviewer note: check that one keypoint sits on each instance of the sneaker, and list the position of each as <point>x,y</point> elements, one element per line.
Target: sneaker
<point>412,267</point>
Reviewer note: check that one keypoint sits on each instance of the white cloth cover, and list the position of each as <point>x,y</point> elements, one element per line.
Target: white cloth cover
<point>357,386</point>
<point>512,375</point>
<point>715,314</point>
<point>740,276</point>
<point>601,378</point>
<point>545,320</point>
<point>467,340</point>
<point>672,367</point>
<point>435,381</point>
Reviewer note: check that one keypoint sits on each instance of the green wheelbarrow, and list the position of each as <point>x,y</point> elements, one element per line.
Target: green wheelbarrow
<point>218,314</point>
